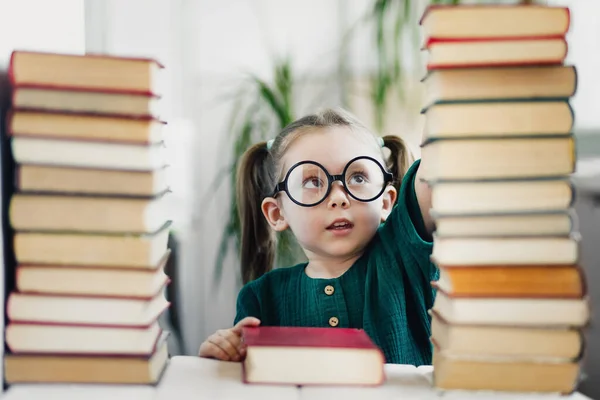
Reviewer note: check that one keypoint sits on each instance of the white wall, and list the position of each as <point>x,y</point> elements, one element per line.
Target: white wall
<point>54,26</point>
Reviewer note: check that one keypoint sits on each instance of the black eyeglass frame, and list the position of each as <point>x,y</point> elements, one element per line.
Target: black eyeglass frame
<point>388,177</point>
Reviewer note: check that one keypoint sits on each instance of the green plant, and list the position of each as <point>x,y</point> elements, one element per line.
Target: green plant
<point>262,109</point>
<point>395,25</point>
<point>390,20</point>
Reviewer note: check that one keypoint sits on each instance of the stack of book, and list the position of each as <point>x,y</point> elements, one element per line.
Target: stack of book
<point>498,152</point>
<point>89,220</point>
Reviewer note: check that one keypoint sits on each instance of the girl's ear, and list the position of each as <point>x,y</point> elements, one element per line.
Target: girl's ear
<point>273,214</point>
<point>389,199</point>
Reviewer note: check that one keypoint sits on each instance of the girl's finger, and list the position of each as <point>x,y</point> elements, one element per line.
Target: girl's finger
<point>219,340</point>
<point>211,350</point>
<point>232,337</point>
<point>248,321</point>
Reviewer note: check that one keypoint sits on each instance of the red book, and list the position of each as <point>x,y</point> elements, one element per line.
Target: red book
<point>311,356</point>
<point>496,52</point>
<point>494,35</point>
<point>494,21</point>
<point>85,72</point>
<point>25,338</point>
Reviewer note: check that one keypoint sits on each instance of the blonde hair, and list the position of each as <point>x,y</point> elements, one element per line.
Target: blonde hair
<point>258,173</point>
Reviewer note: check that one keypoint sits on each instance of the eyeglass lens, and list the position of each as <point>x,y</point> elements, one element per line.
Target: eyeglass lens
<point>308,184</point>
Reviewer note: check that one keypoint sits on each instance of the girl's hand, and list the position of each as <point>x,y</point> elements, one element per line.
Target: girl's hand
<point>226,344</point>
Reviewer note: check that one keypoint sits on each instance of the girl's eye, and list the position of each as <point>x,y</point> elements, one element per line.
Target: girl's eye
<point>312,183</point>
<point>358,179</point>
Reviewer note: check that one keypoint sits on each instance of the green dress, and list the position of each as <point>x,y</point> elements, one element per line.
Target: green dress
<point>386,292</point>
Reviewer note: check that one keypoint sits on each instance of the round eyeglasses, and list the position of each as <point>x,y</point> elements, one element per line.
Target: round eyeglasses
<point>308,183</point>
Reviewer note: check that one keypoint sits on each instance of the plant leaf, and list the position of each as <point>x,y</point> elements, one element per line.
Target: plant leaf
<point>271,108</point>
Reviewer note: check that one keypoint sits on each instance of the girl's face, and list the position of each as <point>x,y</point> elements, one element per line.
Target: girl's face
<point>340,226</point>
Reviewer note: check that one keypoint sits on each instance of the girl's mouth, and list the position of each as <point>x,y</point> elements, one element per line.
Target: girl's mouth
<point>340,226</point>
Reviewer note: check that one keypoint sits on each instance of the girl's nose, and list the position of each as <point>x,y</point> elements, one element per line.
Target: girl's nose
<point>338,197</point>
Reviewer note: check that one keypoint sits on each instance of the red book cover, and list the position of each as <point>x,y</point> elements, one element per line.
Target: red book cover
<point>281,336</point>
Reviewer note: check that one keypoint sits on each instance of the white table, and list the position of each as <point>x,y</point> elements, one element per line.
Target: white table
<point>193,378</point>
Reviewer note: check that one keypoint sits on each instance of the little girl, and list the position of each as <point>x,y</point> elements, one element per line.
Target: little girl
<point>363,223</point>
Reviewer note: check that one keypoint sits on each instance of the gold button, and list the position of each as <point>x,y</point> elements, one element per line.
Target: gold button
<point>329,290</point>
<point>333,321</point>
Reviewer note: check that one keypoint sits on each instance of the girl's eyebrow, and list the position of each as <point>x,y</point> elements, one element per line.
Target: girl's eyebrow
<point>340,169</point>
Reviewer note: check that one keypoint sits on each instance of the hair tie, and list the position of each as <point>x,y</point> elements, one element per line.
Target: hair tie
<point>270,144</point>
<point>380,141</point>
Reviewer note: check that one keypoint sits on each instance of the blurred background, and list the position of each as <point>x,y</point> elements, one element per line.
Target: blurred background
<point>236,71</point>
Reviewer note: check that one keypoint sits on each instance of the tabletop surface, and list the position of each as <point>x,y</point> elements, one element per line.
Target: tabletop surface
<point>196,378</point>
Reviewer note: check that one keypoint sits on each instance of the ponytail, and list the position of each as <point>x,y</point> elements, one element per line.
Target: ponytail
<point>253,183</point>
<point>400,159</point>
